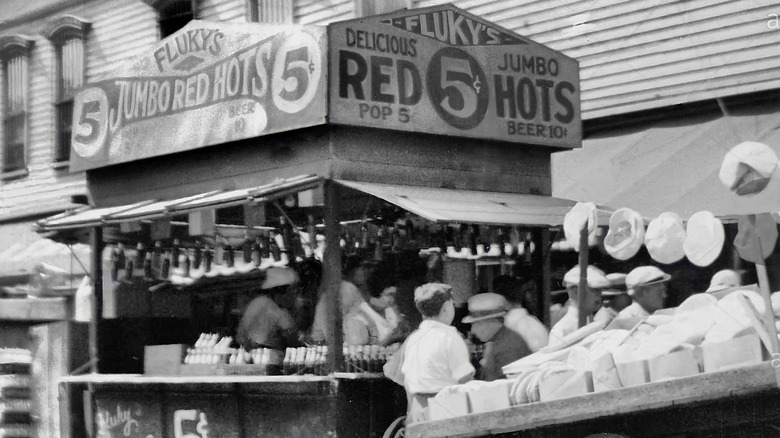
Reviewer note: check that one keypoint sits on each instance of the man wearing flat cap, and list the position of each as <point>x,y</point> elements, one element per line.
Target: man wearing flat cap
<point>435,354</point>
<point>502,345</point>
<point>613,298</point>
<point>647,287</point>
<point>596,281</point>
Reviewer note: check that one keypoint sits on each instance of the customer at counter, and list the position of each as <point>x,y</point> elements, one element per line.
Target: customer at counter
<point>435,355</point>
<point>502,345</point>
<point>596,281</point>
<point>517,318</point>
<point>353,291</point>
<point>647,287</point>
<point>267,321</point>
<point>613,298</point>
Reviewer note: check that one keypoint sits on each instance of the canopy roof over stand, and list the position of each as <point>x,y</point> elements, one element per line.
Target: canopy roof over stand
<point>670,166</point>
<point>474,207</point>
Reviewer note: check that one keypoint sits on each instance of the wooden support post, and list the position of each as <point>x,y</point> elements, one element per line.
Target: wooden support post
<point>583,263</point>
<point>546,287</point>
<point>96,242</point>
<point>331,277</point>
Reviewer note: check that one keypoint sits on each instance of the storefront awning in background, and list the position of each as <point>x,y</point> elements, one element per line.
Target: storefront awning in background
<point>670,166</point>
<point>466,206</point>
<point>91,217</point>
<point>23,249</point>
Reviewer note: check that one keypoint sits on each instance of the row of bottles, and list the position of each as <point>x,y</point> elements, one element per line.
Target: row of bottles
<point>305,360</point>
<point>464,241</point>
<point>184,265</point>
<point>367,358</point>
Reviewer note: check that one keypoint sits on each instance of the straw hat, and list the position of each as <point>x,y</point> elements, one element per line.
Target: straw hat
<point>665,237</point>
<point>763,230</point>
<point>704,238</point>
<point>595,276</point>
<point>626,234</point>
<point>724,279</point>
<point>643,276</point>
<point>485,306</point>
<point>575,219</point>
<point>748,167</point>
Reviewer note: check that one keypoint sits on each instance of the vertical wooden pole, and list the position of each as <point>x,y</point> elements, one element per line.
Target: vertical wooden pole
<point>763,283</point>
<point>583,263</point>
<point>331,276</point>
<point>546,250</point>
<point>96,242</point>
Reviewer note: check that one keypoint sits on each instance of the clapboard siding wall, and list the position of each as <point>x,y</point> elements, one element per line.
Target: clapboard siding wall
<point>121,30</point>
<point>643,54</point>
<point>323,12</point>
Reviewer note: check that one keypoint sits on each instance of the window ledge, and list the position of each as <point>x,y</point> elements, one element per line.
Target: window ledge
<point>14,174</point>
<point>61,165</point>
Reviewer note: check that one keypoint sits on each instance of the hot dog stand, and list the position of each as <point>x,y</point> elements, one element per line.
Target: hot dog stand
<point>435,121</point>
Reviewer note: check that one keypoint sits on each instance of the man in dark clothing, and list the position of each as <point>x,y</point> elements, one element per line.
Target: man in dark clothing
<point>502,345</point>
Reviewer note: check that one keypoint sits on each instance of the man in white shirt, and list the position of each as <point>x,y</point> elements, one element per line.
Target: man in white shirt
<point>647,287</point>
<point>435,354</point>
<point>596,281</point>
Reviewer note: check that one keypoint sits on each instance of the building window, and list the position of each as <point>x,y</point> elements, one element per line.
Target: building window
<point>365,8</point>
<point>271,11</point>
<point>14,54</point>
<point>68,34</point>
<point>174,15</point>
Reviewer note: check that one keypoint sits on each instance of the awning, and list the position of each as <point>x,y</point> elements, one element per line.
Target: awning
<point>476,207</point>
<point>154,209</point>
<point>670,166</point>
<point>23,249</point>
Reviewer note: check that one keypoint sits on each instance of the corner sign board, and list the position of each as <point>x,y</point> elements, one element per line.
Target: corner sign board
<point>444,71</point>
<point>208,83</point>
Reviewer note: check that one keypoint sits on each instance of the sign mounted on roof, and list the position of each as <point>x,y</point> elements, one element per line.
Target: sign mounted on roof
<point>444,71</point>
<point>208,83</point>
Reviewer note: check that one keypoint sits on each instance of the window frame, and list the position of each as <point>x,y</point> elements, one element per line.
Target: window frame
<point>59,32</point>
<point>159,5</point>
<point>13,47</point>
<point>253,12</point>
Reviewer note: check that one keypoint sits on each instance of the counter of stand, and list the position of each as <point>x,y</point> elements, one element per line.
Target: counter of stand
<point>737,402</point>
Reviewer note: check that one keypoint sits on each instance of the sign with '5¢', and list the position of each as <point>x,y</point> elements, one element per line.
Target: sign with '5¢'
<point>208,83</point>
<point>444,71</point>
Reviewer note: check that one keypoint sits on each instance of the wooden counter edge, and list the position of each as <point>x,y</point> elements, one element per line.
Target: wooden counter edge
<point>655,395</point>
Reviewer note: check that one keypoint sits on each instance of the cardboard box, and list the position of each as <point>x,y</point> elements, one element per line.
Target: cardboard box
<point>448,405</point>
<point>633,373</point>
<point>491,397</point>
<point>164,360</point>
<point>681,363</point>
<point>738,352</point>
<point>565,384</point>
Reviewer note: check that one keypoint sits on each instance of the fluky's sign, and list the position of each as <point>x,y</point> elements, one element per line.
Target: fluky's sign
<point>207,84</point>
<point>444,71</point>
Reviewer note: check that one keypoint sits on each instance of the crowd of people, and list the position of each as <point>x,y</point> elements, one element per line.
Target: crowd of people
<point>291,310</point>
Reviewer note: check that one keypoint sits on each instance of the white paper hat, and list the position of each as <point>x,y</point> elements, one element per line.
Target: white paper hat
<point>704,238</point>
<point>664,238</point>
<point>626,234</point>
<point>575,219</point>
<point>764,230</point>
<point>595,276</point>
<point>747,167</point>
<point>724,279</point>
<point>643,276</point>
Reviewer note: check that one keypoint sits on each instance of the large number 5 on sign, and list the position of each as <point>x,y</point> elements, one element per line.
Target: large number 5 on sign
<point>457,88</point>
<point>90,122</point>
<point>297,72</point>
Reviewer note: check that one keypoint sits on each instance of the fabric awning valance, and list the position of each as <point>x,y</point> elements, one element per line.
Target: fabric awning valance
<point>152,209</point>
<point>476,207</point>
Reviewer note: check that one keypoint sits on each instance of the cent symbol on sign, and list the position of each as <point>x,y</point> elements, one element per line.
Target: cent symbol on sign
<point>457,87</point>
<point>90,113</point>
<point>296,74</point>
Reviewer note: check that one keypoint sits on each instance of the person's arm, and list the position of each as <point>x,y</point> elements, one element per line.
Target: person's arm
<point>355,332</point>
<point>460,361</point>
